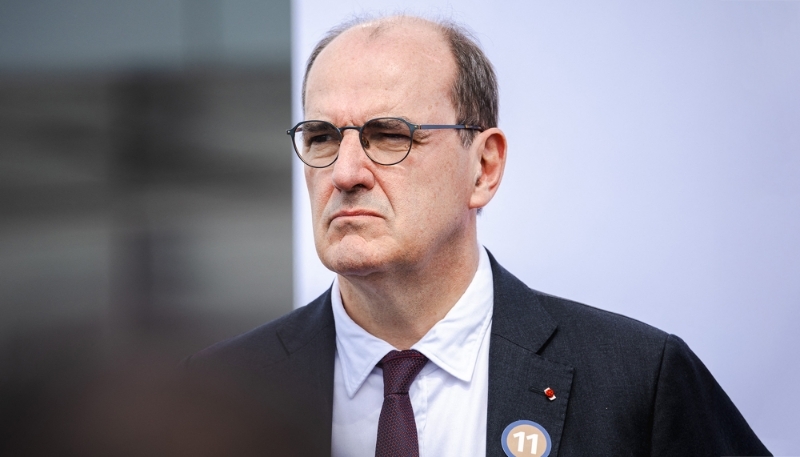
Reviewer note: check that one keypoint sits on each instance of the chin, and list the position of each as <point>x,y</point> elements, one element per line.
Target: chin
<point>352,266</point>
<point>353,259</point>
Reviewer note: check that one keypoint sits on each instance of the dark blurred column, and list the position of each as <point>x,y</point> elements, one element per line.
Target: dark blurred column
<point>148,111</point>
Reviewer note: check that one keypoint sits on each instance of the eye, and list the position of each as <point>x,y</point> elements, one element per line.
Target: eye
<point>321,138</point>
<point>387,130</point>
<point>315,134</point>
<point>390,136</point>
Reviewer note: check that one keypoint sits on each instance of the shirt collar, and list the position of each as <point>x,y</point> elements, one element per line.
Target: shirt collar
<point>452,343</point>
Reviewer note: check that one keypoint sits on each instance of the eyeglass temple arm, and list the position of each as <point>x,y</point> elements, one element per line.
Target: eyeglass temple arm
<point>443,126</point>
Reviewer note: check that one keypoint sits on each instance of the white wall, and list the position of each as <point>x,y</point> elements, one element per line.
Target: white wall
<point>654,171</point>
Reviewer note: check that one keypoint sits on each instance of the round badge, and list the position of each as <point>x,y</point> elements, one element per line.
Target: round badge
<point>526,439</point>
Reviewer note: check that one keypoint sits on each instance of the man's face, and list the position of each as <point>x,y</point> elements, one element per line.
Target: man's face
<point>371,218</point>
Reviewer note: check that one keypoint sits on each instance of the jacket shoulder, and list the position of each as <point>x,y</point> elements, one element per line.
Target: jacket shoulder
<point>276,379</point>
<point>570,328</point>
<point>578,321</point>
<point>634,387</point>
<point>271,342</point>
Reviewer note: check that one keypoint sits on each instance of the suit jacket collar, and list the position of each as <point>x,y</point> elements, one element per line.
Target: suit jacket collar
<point>518,374</point>
<point>315,321</point>
<point>309,340</point>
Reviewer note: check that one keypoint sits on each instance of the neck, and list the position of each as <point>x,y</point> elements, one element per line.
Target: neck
<point>401,307</point>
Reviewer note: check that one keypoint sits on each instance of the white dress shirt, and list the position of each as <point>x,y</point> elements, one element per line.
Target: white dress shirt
<point>450,394</point>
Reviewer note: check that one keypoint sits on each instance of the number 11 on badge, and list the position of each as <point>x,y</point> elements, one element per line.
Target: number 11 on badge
<point>525,438</point>
<point>534,439</point>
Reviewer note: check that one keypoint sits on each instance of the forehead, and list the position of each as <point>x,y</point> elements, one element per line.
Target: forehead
<point>381,69</point>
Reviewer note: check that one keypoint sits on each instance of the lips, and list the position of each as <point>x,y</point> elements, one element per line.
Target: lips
<point>353,213</point>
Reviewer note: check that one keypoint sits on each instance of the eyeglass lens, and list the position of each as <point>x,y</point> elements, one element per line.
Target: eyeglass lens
<point>385,140</point>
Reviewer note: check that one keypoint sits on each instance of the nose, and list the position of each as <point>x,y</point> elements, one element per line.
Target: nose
<point>352,169</point>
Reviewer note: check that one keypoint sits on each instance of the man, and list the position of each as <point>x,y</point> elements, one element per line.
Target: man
<point>425,345</point>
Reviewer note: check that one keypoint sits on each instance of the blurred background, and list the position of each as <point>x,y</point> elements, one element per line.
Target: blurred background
<point>145,188</point>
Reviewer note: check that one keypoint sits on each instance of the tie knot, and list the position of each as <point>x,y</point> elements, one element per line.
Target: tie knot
<point>399,370</point>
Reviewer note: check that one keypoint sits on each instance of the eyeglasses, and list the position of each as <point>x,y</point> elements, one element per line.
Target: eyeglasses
<point>385,140</point>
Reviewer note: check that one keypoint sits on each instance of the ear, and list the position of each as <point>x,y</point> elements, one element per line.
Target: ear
<point>489,149</point>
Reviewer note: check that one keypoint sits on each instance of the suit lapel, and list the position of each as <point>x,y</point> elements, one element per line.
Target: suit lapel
<point>310,342</point>
<point>518,375</point>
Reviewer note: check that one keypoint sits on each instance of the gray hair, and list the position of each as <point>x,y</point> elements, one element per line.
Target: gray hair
<point>474,93</point>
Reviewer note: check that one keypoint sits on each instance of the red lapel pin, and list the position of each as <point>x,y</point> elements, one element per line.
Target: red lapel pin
<point>550,394</point>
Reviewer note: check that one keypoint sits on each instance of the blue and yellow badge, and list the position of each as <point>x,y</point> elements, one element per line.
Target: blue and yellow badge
<point>526,439</point>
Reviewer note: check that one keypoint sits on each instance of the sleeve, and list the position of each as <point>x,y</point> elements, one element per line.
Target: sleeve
<point>692,415</point>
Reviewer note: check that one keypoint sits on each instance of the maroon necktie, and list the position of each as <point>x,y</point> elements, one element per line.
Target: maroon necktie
<point>397,431</point>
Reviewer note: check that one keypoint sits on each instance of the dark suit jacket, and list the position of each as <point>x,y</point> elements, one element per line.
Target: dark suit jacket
<point>622,388</point>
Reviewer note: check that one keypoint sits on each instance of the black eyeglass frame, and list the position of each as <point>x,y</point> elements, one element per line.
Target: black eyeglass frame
<point>411,127</point>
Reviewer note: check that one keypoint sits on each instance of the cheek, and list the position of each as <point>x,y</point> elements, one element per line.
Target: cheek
<point>318,193</point>
<point>438,193</point>
<point>448,181</point>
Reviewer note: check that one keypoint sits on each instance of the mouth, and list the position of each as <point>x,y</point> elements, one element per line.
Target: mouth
<point>344,213</point>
